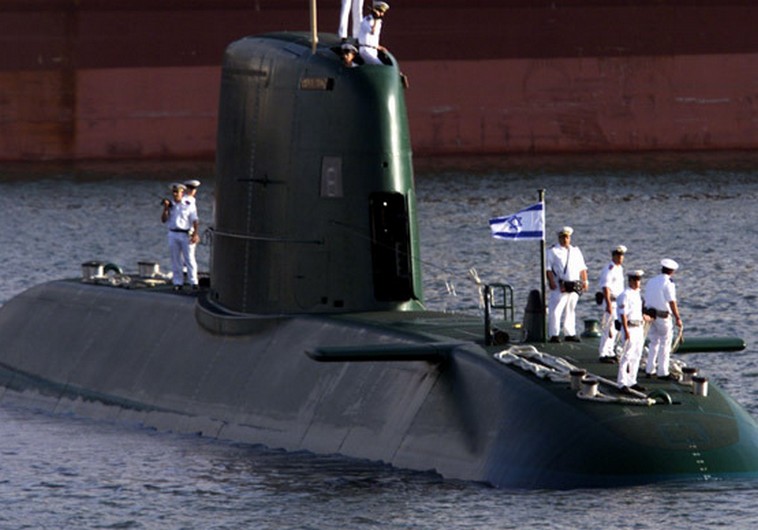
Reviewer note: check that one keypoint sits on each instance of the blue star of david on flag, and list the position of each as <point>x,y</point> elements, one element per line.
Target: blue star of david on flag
<point>526,224</point>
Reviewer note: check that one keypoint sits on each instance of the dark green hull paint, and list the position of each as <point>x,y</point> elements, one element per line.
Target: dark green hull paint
<point>461,413</point>
<point>709,344</point>
<point>290,236</point>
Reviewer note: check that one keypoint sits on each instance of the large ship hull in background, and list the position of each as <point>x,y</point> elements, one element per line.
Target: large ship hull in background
<point>121,79</point>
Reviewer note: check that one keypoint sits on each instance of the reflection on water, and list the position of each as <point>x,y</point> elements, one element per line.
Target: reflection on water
<point>71,472</point>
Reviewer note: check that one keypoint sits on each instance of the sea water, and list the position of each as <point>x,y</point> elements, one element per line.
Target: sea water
<point>73,472</point>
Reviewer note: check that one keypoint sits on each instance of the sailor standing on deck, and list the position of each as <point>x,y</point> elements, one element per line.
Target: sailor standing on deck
<point>191,189</point>
<point>369,33</point>
<point>632,324</point>
<point>180,216</point>
<point>567,277</point>
<point>611,286</point>
<point>191,195</point>
<point>660,301</point>
<point>345,11</point>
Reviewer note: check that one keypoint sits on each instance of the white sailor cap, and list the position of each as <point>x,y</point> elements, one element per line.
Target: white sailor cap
<point>347,47</point>
<point>177,186</point>
<point>382,7</point>
<point>669,264</point>
<point>621,249</point>
<point>192,183</point>
<point>639,273</point>
<point>566,230</point>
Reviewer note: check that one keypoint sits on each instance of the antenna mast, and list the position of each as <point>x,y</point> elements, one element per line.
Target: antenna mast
<point>314,27</point>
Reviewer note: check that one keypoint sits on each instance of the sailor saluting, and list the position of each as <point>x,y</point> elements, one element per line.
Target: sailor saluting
<point>567,277</point>
<point>370,31</point>
<point>180,216</point>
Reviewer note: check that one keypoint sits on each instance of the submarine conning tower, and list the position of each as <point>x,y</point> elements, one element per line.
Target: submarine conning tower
<point>315,209</point>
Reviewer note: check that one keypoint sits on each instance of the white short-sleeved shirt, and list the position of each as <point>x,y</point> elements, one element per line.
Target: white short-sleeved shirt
<point>182,214</point>
<point>659,291</point>
<point>612,277</point>
<point>558,255</point>
<point>630,304</point>
<point>365,36</point>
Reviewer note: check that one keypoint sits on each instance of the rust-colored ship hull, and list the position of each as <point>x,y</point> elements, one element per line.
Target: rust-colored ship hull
<point>119,79</point>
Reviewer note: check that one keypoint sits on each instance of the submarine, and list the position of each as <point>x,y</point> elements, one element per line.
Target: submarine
<point>310,333</point>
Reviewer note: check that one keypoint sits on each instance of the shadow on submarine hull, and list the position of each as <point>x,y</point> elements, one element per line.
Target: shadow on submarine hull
<point>311,335</point>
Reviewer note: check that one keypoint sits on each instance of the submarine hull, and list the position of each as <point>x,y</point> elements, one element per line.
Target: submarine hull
<point>464,416</point>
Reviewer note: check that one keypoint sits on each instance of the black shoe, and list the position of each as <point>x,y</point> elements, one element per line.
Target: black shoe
<point>607,360</point>
<point>572,338</point>
<point>648,375</point>
<point>177,287</point>
<point>638,388</point>
<point>668,378</point>
<point>555,338</point>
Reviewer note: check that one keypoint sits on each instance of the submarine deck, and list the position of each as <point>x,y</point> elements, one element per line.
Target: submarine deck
<point>445,330</point>
<point>388,386</point>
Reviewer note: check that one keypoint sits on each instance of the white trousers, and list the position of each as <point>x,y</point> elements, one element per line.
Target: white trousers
<point>357,6</point>
<point>192,257</point>
<point>558,304</point>
<point>659,348</point>
<point>370,55</point>
<point>608,333</point>
<point>178,246</point>
<point>631,357</point>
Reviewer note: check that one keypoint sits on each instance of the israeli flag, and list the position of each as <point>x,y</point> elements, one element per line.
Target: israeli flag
<point>529,223</point>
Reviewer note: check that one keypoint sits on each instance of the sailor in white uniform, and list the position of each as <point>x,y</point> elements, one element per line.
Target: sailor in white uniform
<point>191,195</point>
<point>632,324</point>
<point>190,191</point>
<point>567,277</point>
<point>611,285</point>
<point>345,11</point>
<point>349,53</point>
<point>660,298</point>
<point>369,33</point>
<point>180,216</point>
